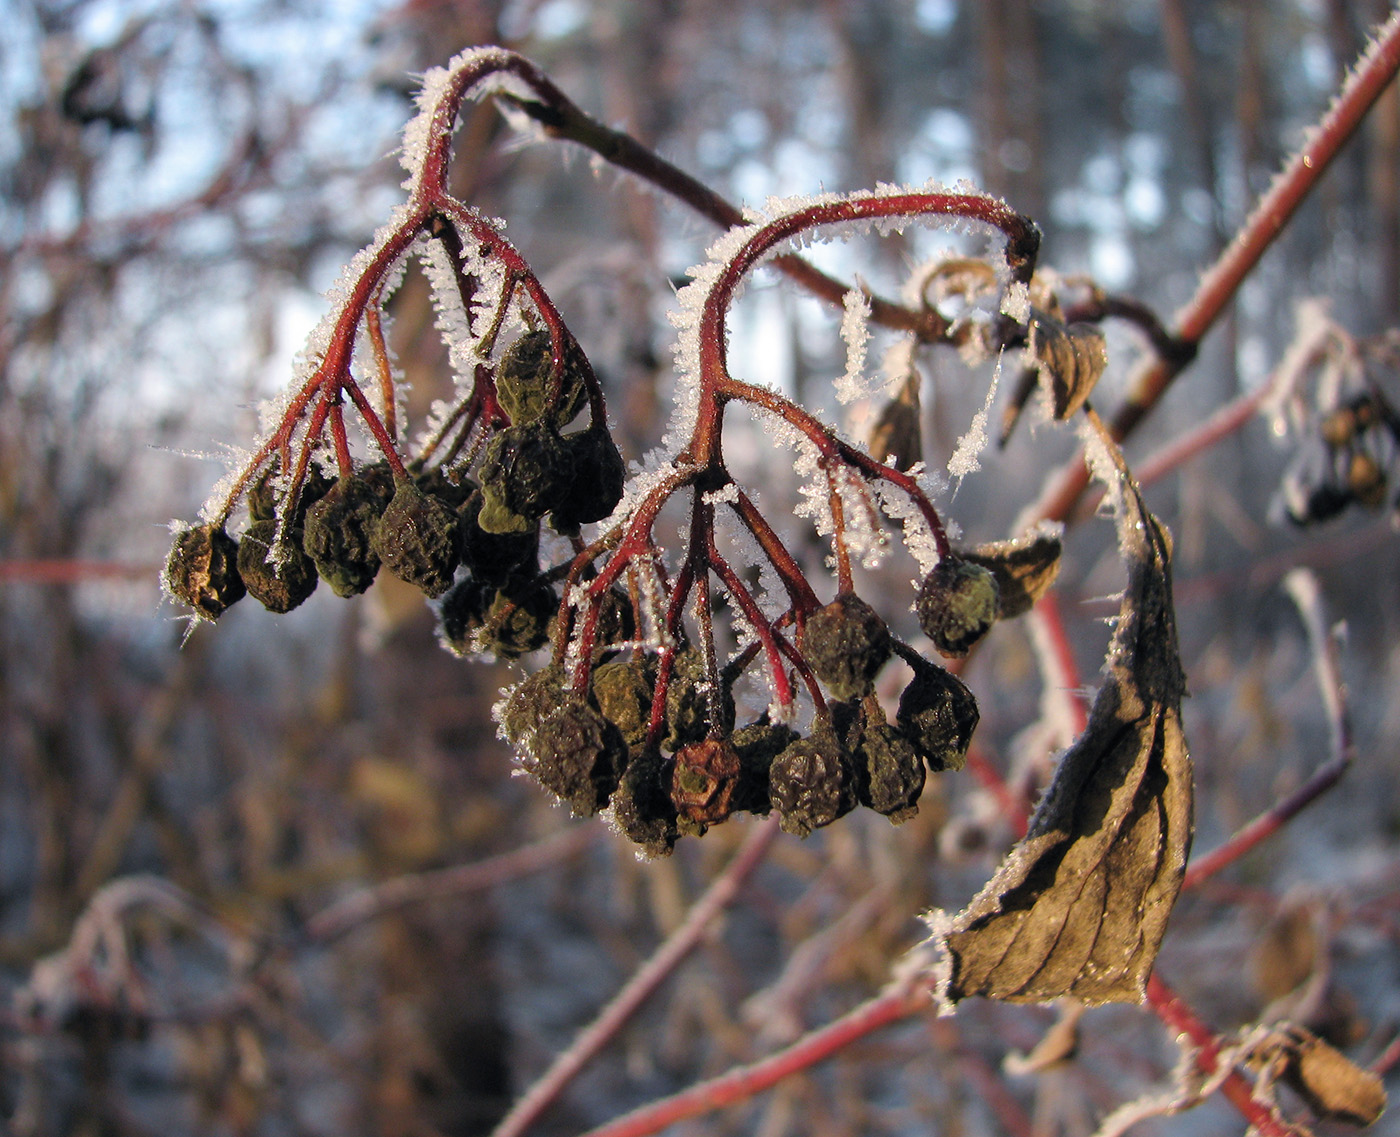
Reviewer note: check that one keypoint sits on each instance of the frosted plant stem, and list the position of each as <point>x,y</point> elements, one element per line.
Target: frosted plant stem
<point>1218,286</point>
<point>721,893</point>
<point>1236,1088</point>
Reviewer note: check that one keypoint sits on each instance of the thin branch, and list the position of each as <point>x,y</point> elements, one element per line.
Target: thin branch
<point>721,893</point>
<point>1219,284</point>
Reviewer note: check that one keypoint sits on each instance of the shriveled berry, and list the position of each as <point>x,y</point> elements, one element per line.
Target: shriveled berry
<point>598,477</point>
<point>623,689</point>
<point>518,619</point>
<point>938,714</point>
<point>529,702</point>
<point>757,745</point>
<point>284,582</point>
<point>688,702</point>
<point>577,755</point>
<point>891,772</point>
<point>339,535</point>
<point>703,779</point>
<point>846,643</point>
<point>957,605</point>
<point>462,613</point>
<point>642,806</point>
<point>496,555</point>
<point>450,490</point>
<point>524,380</point>
<point>202,570</point>
<point>811,783</point>
<point>417,539</point>
<point>525,472</point>
<point>266,494</point>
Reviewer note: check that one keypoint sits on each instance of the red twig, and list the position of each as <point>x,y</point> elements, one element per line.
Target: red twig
<point>1218,285</point>
<point>643,983</point>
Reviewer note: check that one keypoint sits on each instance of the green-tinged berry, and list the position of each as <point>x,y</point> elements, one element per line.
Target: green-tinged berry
<point>462,613</point>
<point>202,570</point>
<point>811,783</point>
<point>599,474</point>
<point>339,535</point>
<point>497,554</point>
<point>938,714</point>
<point>642,806</point>
<point>284,582</point>
<point>417,539</point>
<point>846,643</point>
<point>525,472</point>
<point>623,689</point>
<point>891,772</point>
<point>524,380</point>
<point>518,619</point>
<point>577,755</point>
<point>957,605</point>
<point>704,776</point>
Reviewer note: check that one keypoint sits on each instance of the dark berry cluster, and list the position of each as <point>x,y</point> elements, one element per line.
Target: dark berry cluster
<point>515,512</point>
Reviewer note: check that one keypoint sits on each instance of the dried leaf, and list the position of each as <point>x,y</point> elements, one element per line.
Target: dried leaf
<point>1334,1087</point>
<point>1080,905</point>
<point>1025,568</point>
<point>1071,356</point>
<point>897,438</point>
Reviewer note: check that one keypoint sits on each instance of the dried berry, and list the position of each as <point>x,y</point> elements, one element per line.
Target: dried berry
<point>642,806</point>
<point>462,613</point>
<point>891,772</point>
<point>448,489</point>
<point>811,783</point>
<point>524,381</point>
<point>757,745</point>
<point>202,570</point>
<point>938,714</point>
<point>519,616</point>
<point>496,555</point>
<point>598,477</point>
<point>957,605</point>
<point>623,689</point>
<point>266,493</point>
<point>285,580</point>
<point>688,702</point>
<point>846,643</point>
<point>577,755</point>
<point>525,473</point>
<point>339,535</point>
<point>529,702</point>
<point>417,539</point>
<point>703,779</point>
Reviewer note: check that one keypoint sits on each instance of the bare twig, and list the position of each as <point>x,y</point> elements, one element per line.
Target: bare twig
<point>721,893</point>
<point>1218,285</point>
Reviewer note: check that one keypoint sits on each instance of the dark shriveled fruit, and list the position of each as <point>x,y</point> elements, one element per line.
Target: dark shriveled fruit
<point>957,604</point>
<point>810,783</point>
<point>339,534</point>
<point>846,643</point>
<point>525,472</point>
<point>642,806</point>
<point>284,582</point>
<point>524,379</point>
<point>623,689</point>
<point>493,556</point>
<point>418,539</point>
<point>595,486</point>
<point>202,570</point>
<point>577,755</point>
<point>938,714</point>
<point>757,745</point>
<point>891,772</point>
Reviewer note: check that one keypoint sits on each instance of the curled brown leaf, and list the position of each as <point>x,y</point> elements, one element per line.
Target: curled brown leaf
<point>1025,568</point>
<point>1079,906</point>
